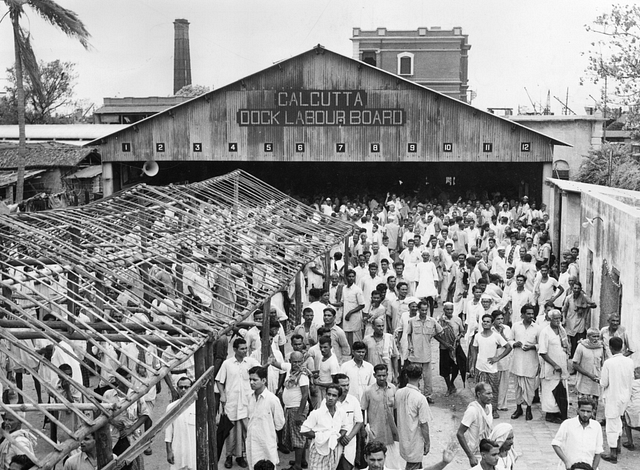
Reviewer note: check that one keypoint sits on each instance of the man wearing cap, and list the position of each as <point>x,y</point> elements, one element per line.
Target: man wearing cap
<point>326,207</point>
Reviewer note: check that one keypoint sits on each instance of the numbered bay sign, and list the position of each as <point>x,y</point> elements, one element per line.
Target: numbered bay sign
<point>412,147</point>
<point>268,146</point>
<point>197,146</point>
<point>447,147</point>
<point>233,146</point>
<point>341,147</point>
<point>487,147</point>
<point>160,146</point>
<point>126,146</point>
<point>525,146</point>
<point>299,147</point>
<point>375,147</point>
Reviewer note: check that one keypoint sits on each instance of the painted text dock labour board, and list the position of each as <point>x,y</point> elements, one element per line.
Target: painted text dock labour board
<point>321,108</point>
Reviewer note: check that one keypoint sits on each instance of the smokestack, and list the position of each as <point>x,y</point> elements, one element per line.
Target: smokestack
<point>181,56</point>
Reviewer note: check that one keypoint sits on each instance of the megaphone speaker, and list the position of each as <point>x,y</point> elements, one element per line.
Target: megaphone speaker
<point>150,168</point>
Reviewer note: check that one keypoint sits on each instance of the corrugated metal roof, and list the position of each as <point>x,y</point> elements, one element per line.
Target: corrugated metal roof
<point>88,172</point>
<point>133,109</point>
<point>43,155</point>
<point>7,178</point>
<point>60,131</point>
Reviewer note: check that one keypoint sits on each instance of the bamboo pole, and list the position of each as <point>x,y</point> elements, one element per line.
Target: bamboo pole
<point>98,326</point>
<point>104,445</point>
<point>298,298</point>
<point>211,408</point>
<point>327,269</point>
<point>264,334</point>
<point>204,458</point>
<point>27,408</point>
<point>157,340</point>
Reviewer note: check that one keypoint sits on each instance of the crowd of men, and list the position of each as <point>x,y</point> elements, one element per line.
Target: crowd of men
<point>350,383</point>
<point>363,347</point>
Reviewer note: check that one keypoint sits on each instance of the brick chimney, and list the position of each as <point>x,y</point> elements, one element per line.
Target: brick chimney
<point>181,55</point>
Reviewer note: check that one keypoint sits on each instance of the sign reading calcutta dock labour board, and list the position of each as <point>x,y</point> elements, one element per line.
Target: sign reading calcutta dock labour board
<point>323,107</point>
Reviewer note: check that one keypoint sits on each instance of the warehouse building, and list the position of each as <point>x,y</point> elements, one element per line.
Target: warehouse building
<point>323,123</point>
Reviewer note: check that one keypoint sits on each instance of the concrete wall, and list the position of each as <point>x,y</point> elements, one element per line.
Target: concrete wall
<point>582,132</point>
<point>571,221</point>
<point>614,241</point>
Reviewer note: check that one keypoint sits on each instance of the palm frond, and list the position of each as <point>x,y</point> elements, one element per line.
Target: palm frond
<point>67,20</point>
<point>23,41</point>
<point>29,62</point>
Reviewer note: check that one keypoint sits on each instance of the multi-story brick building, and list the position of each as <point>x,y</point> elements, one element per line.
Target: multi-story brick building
<point>433,57</point>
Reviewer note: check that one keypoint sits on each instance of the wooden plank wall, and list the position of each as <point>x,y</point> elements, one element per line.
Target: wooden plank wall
<point>431,121</point>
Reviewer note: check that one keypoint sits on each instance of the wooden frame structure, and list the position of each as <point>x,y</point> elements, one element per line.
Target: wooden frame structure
<point>152,275</point>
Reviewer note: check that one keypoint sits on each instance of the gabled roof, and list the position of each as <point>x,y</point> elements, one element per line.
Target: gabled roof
<point>44,155</point>
<point>319,49</point>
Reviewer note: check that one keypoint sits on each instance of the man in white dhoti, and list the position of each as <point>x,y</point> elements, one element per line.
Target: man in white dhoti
<point>427,281</point>
<point>265,418</point>
<point>616,381</point>
<point>525,363</point>
<point>180,435</point>
<point>553,348</point>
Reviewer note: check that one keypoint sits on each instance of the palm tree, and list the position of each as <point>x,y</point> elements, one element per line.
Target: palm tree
<point>65,20</point>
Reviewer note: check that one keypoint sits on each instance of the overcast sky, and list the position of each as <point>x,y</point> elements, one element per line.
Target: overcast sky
<point>538,44</point>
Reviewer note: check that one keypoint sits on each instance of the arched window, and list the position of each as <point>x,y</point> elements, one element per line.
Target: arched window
<point>405,63</point>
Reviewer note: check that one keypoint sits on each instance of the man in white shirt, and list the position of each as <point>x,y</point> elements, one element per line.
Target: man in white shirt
<point>351,406</point>
<point>473,234</point>
<point>410,256</point>
<point>265,418</point>
<point>233,382</point>
<point>368,284</point>
<point>616,380</point>
<point>359,371</point>
<point>516,298</point>
<point>180,435</point>
<point>353,304</point>
<point>579,439</point>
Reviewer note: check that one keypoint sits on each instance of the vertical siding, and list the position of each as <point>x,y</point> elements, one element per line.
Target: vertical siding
<point>431,121</point>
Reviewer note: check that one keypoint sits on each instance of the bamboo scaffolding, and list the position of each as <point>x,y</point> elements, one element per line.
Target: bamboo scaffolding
<point>125,274</point>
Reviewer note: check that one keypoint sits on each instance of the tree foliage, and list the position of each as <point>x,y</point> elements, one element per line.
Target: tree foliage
<point>615,56</point>
<point>191,91</point>
<point>53,93</point>
<point>25,60</point>
<point>614,159</point>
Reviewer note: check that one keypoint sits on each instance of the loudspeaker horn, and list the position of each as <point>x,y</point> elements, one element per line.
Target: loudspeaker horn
<point>150,168</point>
